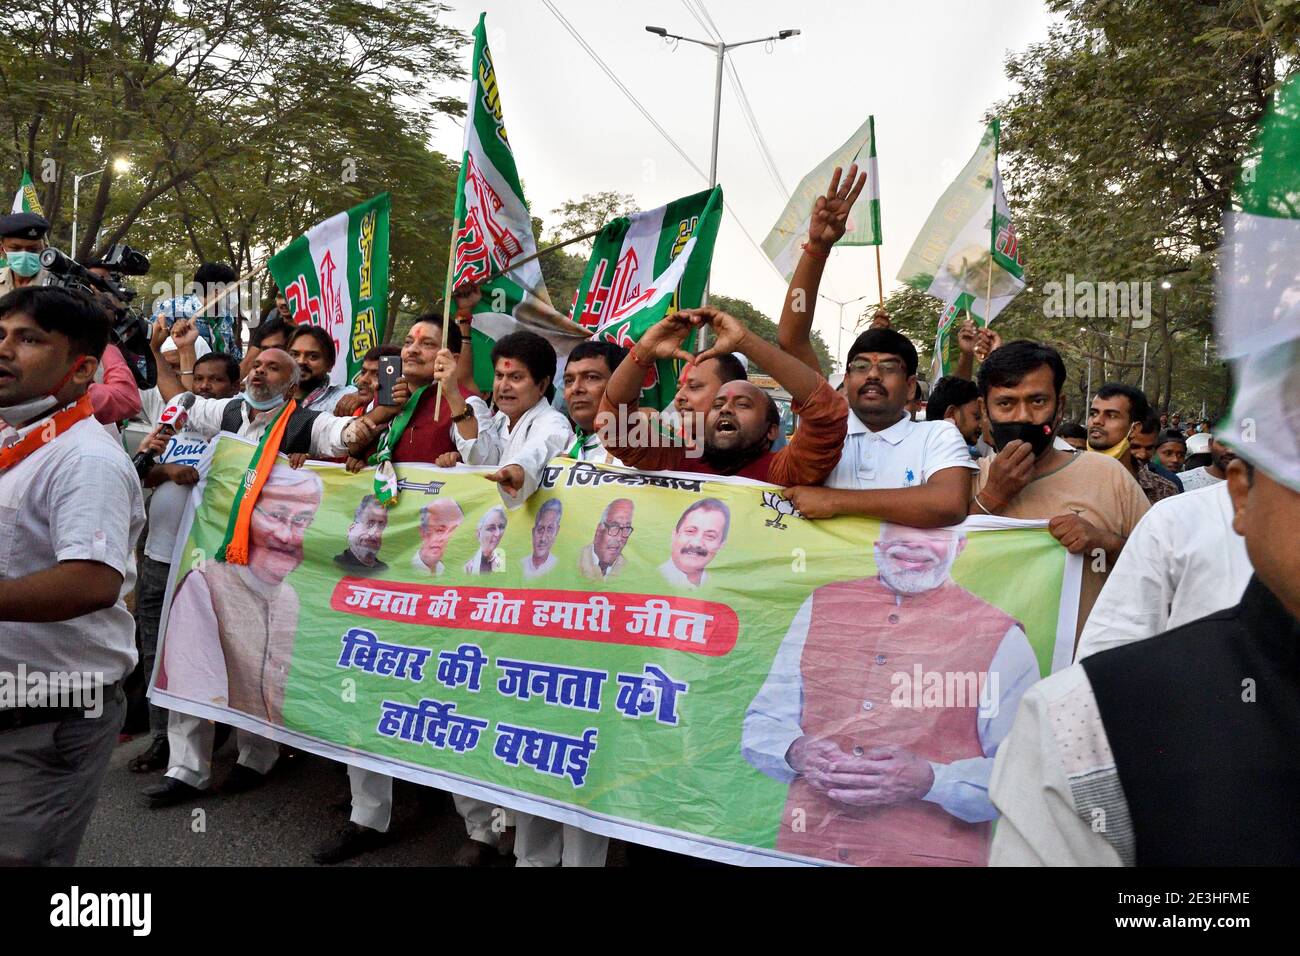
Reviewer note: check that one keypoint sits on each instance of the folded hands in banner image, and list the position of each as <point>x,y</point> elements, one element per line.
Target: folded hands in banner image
<point>666,659</point>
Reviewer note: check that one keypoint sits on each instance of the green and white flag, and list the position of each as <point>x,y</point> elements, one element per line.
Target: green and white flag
<point>335,275</point>
<point>643,267</point>
<point>25,199</point>
<point>966,254</point>
<point>784,243</point>
<point>494,229</point>
<point>1259,284</point>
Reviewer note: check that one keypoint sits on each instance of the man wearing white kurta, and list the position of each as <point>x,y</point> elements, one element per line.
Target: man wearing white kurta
<point>1182,562</point>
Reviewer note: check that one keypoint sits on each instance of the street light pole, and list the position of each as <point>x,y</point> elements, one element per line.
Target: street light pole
<point>720,49</point>
<point>76,192</point>
<point>121,165</point>
<point>839,335</point>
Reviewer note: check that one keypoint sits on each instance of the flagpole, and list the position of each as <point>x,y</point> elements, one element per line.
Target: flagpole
<point>880,282</point>
<point>446,307</point>
<point>541,252</point>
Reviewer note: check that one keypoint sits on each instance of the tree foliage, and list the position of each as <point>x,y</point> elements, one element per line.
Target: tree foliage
<point>244,121</point>
<point>1121,146</point>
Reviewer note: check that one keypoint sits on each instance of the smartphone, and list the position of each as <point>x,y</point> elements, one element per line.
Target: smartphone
<point>390,370</point>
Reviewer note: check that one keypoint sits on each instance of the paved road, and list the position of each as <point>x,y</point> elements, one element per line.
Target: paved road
<point>303,803</point>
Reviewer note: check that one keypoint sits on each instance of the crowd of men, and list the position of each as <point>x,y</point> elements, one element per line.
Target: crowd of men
<point>1179,531</point>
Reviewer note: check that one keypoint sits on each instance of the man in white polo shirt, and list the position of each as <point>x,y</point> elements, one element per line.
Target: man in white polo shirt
<point>66,637</point>
<point>906,472</point>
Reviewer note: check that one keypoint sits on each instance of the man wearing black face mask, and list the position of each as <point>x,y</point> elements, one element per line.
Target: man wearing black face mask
<point>1090,500</point>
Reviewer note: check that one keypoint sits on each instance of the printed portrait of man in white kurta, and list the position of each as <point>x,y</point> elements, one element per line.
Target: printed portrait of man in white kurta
<point>230,632</point>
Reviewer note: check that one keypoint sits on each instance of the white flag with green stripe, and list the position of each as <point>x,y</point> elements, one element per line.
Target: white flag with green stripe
<point>335,275</point>
<point>494,230</point>
<point>1259,284</point>
<point>966,254</point>
<point>784,243</point>
<point>25,199</point>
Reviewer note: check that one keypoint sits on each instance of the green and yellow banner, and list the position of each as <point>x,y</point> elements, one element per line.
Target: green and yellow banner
<point>668,659</point>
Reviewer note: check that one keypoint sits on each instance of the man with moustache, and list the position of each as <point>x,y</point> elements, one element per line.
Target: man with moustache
<point>438,522</point>
<point>700,533</point>
<point>229,639</point>
<point>365,538</point>
<point>313,349</point>
<point>586,373</point>
<point>546,526</point>
<point>743,423</point>
<point>1119,411</point>
<point>1090,501</point>
<point>603,558</point>
<point>878,775</point>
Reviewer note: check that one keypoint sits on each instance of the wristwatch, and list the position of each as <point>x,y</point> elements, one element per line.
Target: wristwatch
<point>467,413</point>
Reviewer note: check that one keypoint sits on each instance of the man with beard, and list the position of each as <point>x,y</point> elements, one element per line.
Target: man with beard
<point>700,533</point>
<point>365,538</point>
<point>1183,745</point>
<point>698,387</point>
<point>489,558</point>
<point>744,421</point>
<point>1090,502</point>
<point>878,774</point>
<point>1221,456</point>
<point>546,526</point>
<point>603,558</point>
<point>313,349</point>
<point>438,522</point>
<point>271,383</point>
<point>229,640</point>
<point>1117,412</point>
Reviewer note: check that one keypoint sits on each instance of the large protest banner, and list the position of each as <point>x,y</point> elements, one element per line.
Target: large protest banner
<point>640,655</point>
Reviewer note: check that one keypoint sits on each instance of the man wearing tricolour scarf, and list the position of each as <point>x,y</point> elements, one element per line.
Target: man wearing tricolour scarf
<point>64,569</point>
<point>266,412</point>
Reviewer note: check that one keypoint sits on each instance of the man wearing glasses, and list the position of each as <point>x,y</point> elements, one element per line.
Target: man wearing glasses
<point>603,559</point>
<point>229,640</point>
<point>911,473</point>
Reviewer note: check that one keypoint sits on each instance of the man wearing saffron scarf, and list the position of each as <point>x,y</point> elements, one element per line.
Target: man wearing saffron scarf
<point>267,413</point>
<point>65,564</point>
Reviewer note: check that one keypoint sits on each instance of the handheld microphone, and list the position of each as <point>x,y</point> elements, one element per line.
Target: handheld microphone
<point>172,419</point>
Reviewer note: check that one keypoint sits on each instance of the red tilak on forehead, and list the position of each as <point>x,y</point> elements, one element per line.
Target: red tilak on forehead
<point>507,365</point>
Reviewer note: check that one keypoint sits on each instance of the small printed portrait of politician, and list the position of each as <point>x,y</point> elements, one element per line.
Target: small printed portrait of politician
<point>546,526</point>
<point>700,533</point>
<point>603,558</point>
<point>884,708</point>
<point>230,632</point>
<point>365,538</point>
<point>490,558</point>
<point>438,522</point>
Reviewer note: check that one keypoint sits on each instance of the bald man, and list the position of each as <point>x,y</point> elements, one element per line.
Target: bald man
<point>742,423</point>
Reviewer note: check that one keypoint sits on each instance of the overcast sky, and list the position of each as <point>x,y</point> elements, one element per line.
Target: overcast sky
<point>927,70</point>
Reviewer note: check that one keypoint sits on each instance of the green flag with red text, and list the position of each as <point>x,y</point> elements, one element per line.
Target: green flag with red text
<point>335,275</point>
<point>642,268</point>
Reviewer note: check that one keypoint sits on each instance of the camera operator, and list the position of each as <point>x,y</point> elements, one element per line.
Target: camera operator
<point>113,394</point>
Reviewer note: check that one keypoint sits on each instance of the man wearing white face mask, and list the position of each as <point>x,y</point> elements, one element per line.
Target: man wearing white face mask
<point>22,235</point>
<point>879,773</point>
